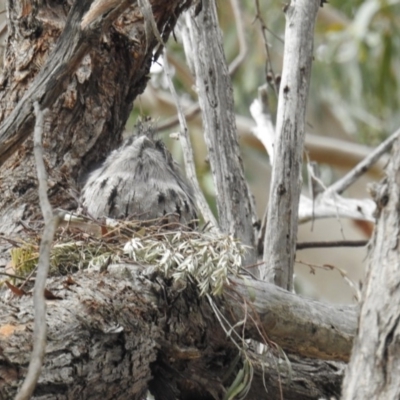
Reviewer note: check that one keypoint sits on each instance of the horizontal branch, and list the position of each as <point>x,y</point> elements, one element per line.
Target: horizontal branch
<point>86,321</point>
<point>331,205</point>
<point>123,311</point>
<point>298,325</point>
<point>90,302</point>
<point>297,379</point>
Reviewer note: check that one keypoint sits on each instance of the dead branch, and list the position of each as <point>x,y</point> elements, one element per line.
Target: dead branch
<point>375,361</point>
<point>363,166</point>
<point>234,200</point>
<point>281,232</point>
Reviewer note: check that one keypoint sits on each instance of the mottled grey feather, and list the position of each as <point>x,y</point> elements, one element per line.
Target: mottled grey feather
<point>139,180</point>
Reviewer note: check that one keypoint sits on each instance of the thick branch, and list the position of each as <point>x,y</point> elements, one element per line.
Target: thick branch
<point>106,330</point>
<point>298,325</point>
<point>94,339</point>
<point>234,201</point>
<point>281,233</point>
<point>292,381</point>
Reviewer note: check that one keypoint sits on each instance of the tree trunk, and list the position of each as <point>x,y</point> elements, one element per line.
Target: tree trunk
<point>375,363</point>
<point>90,99</point>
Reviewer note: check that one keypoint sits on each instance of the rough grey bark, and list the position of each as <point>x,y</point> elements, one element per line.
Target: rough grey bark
<point>103,335</point>
<point>116,333</point>
<point>281,232</point>
<point>299,325</point>
<point>325,383</point>
<point>90,81</point>
<point>374,367</point>
<point>234,200</point>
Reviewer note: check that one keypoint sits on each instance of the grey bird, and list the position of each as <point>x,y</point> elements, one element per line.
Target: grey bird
<point>140,180</point>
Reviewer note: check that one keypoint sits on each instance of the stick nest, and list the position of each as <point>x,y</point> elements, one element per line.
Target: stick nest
<point>206,257</point>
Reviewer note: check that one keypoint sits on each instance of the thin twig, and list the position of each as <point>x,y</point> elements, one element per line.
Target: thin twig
<point>313,173</point>
<point>269,68</point>
<point>188,153</point>
<point>235,64</point>
<point>28,278</point>
<point>341,185</point>
<point>222,321</point>
<point>150,24</point>
<point>13,242</point>
<point>171,122</point>
<point>12,276</point>
<point>40,328</point>
<point>41,169</point>
<point>334,243</point>
<point>342,272</point>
